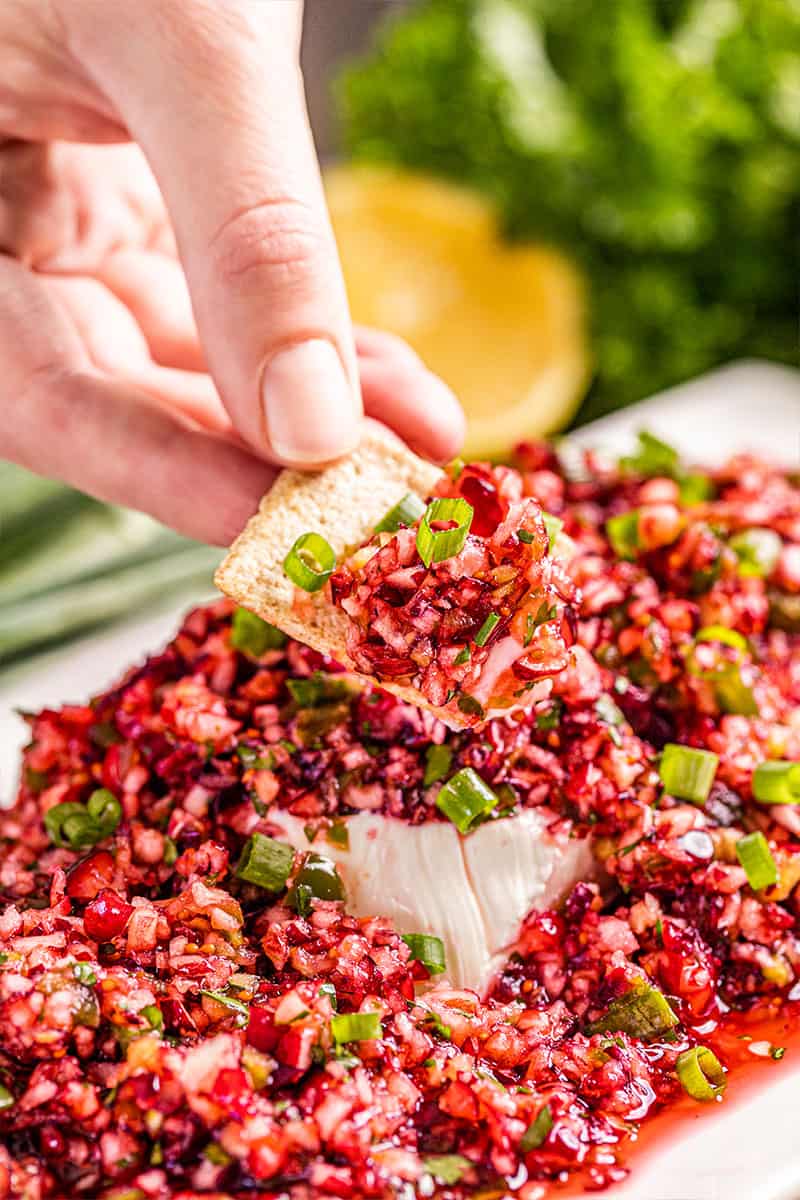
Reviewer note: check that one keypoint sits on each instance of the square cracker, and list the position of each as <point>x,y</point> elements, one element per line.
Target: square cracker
<point>343,502</point>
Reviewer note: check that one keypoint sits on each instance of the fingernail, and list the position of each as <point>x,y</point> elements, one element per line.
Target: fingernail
<point>311,412</point>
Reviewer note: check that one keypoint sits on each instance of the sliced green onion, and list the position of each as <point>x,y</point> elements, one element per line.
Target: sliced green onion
<point>320,689</point>
<point>687,773</point>
<point>317,879</point>
<point>84,974</point>
<point>447,1168</point>
<point>728,637</point>
<point>652,457</point>
<point>758,551</point>
<point>695,489</point>
<point>465,798</point>
<point>643,1012</point>
<point>6,1099</point>
<point>777,782</point>
<point>608,711</point>
<point>310,562</point>
<point>440,544</point>
<point>253,636</point>
<point>328,989</point>
<point>233,1003</point>
<point>406,512</point>
<point>437,764</point>
<point>153,1015</point>
<point>701,1073</point>
<point>355,1027</point>
<point>486,629</point>
<point>553,525</point>
<point>105,810</point>
<point>427,949</point>
<point>463,656</point>
<point>265,862</point>
<point>732,694</point>
<point>471,705</point>
<point>69,825</point>
<point>339,835</point>
<point>538,1131</point>
<point>525,536</point>
<point>623,533</point>
<point>755,856</point>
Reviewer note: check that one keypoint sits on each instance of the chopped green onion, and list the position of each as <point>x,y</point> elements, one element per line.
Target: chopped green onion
<point>437,764</point>
<point>153,1015</point>
<point>643,1012</point>
<point>525,536</point>
<point>440,544</point>
<point>465,799</point>
<point>623,533</point>
<point>758,551</point>
<point>553,525</point>
<point>320,689</point>
<point>427,949</point>
<point>652,457</point>
<point>447,1168</point>
<point>755,856</point>
<point>687,773</point>
<point>732,694</point>
<point>777,782</point>
<point>608,711</point>
<point>6,1099</point>
<point>231,1002</point>
<point>339,835</point>
<point>253,636</point>
<point>84,974</point>
<point>265,862</point>
<point>310,562</point>
<point>486,629</point>
<point>463,656</point>
<point>471,705</point>
<point>695,489</point>
<point>701,1073</point>
<point>538,1131</point>
<point>317,879</point>
<point>406,512</point>
<point>355,1027</point>
<point>328,989</point>
<point>69,825</point>
<point>105,810</point>
<point>216,1155</point>
<point>728,637</point>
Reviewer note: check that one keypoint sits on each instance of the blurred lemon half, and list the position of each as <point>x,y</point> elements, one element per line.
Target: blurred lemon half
<point>502,323</point>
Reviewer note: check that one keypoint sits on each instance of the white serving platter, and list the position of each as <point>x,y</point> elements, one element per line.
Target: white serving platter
<point>748,1150</point>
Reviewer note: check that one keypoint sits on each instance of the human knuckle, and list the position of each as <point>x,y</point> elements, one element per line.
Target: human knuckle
<point>281,240</point>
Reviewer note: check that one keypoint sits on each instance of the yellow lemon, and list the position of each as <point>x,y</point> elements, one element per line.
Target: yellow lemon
<point>502,323</point>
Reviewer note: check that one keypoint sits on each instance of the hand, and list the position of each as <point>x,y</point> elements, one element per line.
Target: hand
<point>172,313</point>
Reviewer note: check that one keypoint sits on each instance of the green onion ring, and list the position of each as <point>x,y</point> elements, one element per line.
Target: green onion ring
<point>701,1073</point>
<point>440,544</point>
<point>777,782</point>
<point>755,856</point>
<point>310,562</point>
<point>105,810</point>
<point>406,512</point>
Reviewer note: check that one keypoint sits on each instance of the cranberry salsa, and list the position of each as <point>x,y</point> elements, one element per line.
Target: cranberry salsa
<point>186,1007</point>
<point>461,599</point>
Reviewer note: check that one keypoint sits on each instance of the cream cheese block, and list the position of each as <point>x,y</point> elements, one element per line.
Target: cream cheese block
<point>472,891</point>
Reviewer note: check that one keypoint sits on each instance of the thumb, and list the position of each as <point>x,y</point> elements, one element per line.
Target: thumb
<point>213,93</point>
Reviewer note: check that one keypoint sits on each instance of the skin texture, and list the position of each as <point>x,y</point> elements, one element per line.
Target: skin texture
<point>173,320</point>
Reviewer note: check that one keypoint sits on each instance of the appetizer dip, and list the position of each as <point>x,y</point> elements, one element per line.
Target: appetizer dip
<point>270,930</point>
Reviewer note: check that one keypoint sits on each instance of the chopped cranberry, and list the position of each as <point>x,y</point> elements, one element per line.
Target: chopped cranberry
<point>477,487</point>
<point>90,875</point>
<point>262,1033</point>
<point>106,917</point>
